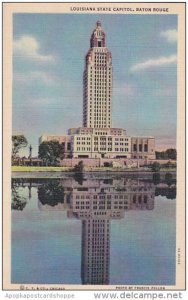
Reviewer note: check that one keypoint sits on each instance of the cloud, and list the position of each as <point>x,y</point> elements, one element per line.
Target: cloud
<point>28,78</point>
<point>29,47</point>
<point>124,89</point>
<point>170,35</point>
<point>153,63</point>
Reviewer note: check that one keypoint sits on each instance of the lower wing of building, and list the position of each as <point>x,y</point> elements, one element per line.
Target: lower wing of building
<point>109,143</point>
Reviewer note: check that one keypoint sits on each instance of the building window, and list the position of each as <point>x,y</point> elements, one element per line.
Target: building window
<point>135,147</point>
<point>140,147</point>
<point>68,146</point>
<point>145,148</point>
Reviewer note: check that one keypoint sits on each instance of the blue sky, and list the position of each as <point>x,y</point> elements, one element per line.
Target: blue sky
<point>48,64</point>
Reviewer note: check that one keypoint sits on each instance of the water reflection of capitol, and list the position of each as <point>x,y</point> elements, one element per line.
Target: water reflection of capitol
<point>95,203</point>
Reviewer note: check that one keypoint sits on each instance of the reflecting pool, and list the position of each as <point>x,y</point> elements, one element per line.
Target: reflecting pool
<point>108,230</point>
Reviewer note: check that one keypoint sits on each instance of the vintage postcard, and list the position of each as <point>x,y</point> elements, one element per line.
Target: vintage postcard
<point>94,146</point>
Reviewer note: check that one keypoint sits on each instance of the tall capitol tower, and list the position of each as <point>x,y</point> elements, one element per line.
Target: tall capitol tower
<point>97,139</point>
<point>97,89</point>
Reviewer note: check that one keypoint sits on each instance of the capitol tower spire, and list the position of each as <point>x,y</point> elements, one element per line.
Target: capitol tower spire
<point>97,83</point>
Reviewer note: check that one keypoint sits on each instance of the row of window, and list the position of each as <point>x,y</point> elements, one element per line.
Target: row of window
<point>102,138</point>
<point>107,70</point>
<point>100,133</point>
<point>82,138</point>
<point>108,197</point>
<point>101,197</point>
<point>94,222</point>
<point>100,54</point>
<point>105,207</point>
<point>101,147</point>
<point>95,70</point>
<point>101,92</point>
<point>97,229</point>
<point>100,101</point>
<point>101,51</point>
<point>98,93</point>
<point>109,207</point>
<point>140,148</point>
<point>100,80</point>
<point>99,119</point>
<point>97,246</point>
<point>100,74</point>
<point>101,68</point>
<point>99,83</point>
<point>83,143</point>
<point>99,109</point>
<point>85,132</point>
<point>100,125</point>
<point>121,139</point>
<point>121,144</point>
<point>103,143</point>
<point>98,87</point>
<point>100,58</point>
<point>83,149</point>
<point>96,97</point>
<point>100,115</point>
<point>98,65</point>
<point>122,149</point>
<point>103,71</point>
<point>100,62</point>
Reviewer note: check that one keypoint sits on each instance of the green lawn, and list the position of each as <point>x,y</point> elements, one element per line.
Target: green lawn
<point>64,169</point>
<point>40,169</point>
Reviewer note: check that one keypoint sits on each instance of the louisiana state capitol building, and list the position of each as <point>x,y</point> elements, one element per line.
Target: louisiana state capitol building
<point>97,98</point>
<point>97,138</point>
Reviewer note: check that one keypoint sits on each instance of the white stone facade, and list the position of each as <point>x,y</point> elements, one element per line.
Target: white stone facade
<point>97,87</point>
<point>94,146</point>
<point>105,146</point>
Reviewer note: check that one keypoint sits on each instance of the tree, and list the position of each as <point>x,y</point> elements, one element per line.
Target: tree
<point>168,192</point>
<point>171,153</point>
<point>51,152</point>
<point>51,193</point>
<point>156,178</point>
<point>79,168</point>
<point>168,154</point>
<point>18,142</point>
<point>169,178</point>
<point>155,167</point>
<point>19,201</point>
